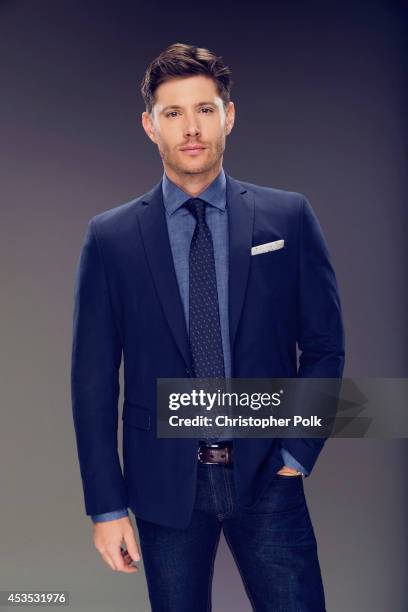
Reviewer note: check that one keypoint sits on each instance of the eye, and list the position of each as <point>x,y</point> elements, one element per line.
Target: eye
<point>207,109</point>
<point>171,114</point>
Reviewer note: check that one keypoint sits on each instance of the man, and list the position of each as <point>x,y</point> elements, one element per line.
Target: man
<point>160,278</point>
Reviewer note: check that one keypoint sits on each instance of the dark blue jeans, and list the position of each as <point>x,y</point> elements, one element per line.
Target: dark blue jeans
<point>273,544</point>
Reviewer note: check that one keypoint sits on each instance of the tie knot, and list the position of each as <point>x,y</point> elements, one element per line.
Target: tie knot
<point>197,208</point>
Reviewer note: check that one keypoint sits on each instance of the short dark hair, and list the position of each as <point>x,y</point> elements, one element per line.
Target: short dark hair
<point>180,60</point>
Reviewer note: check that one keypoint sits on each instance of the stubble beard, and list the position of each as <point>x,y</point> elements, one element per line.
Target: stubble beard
<point>171,159</point>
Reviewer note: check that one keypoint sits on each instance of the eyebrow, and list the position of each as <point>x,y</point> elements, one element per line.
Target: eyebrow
<point>175,106</point>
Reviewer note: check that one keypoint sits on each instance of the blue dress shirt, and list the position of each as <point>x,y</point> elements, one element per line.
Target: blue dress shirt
<point>181,225</point>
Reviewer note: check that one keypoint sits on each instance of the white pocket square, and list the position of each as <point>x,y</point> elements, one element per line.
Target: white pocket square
<point>268,246</point>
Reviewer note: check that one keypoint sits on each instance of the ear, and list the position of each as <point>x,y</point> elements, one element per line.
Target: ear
<point>230,118</point>
<point>148,126</point>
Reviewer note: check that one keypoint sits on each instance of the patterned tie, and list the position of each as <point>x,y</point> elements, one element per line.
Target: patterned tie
<point>204,318</point>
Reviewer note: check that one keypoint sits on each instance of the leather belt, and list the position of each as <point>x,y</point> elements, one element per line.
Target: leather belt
<point>219,453</point>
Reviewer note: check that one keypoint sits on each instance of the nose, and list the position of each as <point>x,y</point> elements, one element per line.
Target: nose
<point>191,127</point>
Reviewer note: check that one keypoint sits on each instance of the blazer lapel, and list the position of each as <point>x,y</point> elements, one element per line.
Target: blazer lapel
<point>158,251</point>
<point>240,223</point>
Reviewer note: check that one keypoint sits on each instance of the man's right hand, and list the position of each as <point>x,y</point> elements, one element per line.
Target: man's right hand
<point>108,537</point>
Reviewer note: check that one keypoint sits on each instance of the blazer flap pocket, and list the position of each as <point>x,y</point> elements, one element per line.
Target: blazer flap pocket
<point>136,416</point>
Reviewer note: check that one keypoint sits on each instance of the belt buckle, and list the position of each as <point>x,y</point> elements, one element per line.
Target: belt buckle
<point>227,450</point>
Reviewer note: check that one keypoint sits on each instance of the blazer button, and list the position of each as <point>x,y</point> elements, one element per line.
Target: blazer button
<point>188,372</point>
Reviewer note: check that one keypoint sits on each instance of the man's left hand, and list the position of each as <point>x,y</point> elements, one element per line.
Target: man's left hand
<point>288,471</point>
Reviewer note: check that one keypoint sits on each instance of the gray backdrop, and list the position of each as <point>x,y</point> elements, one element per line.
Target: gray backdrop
<point>319,94</point>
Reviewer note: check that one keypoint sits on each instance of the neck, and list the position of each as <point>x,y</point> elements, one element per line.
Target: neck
<point>193,184</point>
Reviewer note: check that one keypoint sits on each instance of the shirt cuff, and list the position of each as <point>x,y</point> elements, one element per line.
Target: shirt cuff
<point>291,462</point>
<point>109,516</point>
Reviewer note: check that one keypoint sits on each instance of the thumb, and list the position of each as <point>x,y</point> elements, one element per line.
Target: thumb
<point>131,544</point>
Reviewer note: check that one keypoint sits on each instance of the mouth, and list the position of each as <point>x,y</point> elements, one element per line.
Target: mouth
<point>193,150</point>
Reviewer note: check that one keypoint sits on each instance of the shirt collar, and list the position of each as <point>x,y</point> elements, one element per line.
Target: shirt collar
<point>174,197</point>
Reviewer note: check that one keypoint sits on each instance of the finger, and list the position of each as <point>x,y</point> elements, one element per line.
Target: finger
<point>119,562</point>
<point>288,474</point>
<point>288,471</point>
<point>131,545</point>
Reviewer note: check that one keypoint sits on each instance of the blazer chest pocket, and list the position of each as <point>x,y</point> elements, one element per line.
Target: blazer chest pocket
<point>268,269</point>
<point>136,416</point>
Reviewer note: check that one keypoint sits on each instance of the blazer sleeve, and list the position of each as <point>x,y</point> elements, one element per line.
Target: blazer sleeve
<point>320,331</point>
<point>96,358</point>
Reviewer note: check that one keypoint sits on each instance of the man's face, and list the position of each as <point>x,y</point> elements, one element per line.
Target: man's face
<point>189,124</point>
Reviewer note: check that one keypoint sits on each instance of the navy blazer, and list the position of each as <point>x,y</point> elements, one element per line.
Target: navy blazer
<point>127,301</point>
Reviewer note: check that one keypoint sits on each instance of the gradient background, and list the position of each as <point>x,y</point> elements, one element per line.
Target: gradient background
<point>320,95</point>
